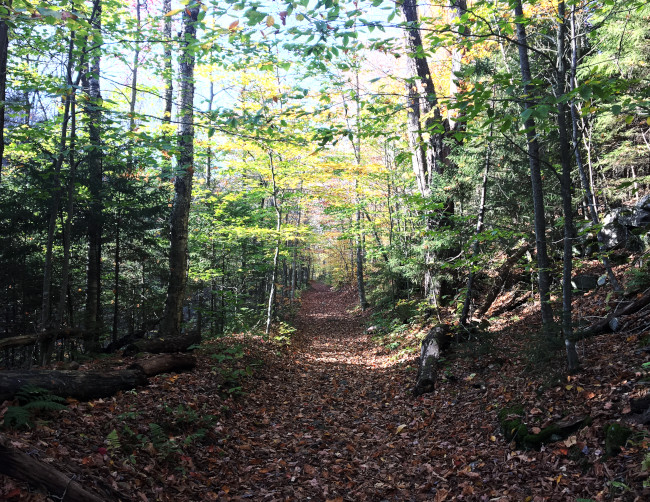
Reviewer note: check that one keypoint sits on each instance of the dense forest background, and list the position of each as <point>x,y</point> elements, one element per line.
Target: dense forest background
<point>177,169</point>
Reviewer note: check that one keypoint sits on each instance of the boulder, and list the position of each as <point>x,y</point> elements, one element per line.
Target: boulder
<point>644,203</point>
<point>615,235</point>
<point>584,282</point>
<point>633,217</point>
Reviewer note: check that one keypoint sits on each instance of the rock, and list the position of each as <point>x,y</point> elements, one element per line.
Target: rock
<point>584,282</point>
<point>586,240</point>
<point>634,217</point>
<point>615,235</point>
<point>644,203</point>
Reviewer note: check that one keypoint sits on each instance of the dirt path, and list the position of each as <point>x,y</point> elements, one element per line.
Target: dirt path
<point>337,422</point>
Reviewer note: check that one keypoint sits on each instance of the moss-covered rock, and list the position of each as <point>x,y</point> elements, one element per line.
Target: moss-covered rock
<point>616,435</point>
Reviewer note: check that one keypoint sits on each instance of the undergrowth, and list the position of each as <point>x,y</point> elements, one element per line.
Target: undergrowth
<point>33,402</point>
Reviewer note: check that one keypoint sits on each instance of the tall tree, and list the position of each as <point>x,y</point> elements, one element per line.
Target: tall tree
<point>534,160</point>
<point>428,156</point>
<point>4,54</point>
<point>93,110</point>
<point>172,316</point>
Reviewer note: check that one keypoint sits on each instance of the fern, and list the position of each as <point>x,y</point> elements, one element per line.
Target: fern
<point>32,400</point>
<point>113,440</point>
<point>160,441</point>
<point>199,434</point>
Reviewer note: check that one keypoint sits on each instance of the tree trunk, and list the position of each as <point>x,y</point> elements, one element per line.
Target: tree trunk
<point>4,55</point>
<point>586,183</point>
<point>116,271</point>
<point>432,348</point>
<point>171,321</point>
<point>82,385</point>
<point>59,486</point>
<point>534,160</point>
<point>276,254</point>
<point>429,156</point>
<point>67,227</point>
<point>611,322</point>
<point>134,88</point>
<point>167,58</point>
<point>46,350</point>
<point>164,363</point>
<point>160,346</point>
<point>95,175</point>
<point>567,205</point>
<point>479,228</point>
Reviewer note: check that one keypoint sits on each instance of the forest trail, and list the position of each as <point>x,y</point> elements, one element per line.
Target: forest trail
<point>337,421</point>
<point>332,418</point>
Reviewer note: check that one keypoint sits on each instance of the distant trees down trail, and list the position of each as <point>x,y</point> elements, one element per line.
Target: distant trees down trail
<point>182,165</point>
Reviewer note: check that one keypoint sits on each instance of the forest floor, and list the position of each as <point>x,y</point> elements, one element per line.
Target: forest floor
<point>331,417</point>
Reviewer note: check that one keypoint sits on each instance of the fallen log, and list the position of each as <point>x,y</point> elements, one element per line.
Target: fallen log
<point>159,346</point>
<point>44,336</point>
<point>164,363</point>
<point>433,346</point>
<point>20,466</point>
<point>132,338</point>
<point>502,276</point>
<point>82,385</point>
<point>612,322</point>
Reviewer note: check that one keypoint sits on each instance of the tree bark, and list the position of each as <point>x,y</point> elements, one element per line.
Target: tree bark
<point>59,486</point>
<point>432,348</point>
<point>171,321</point>
<point>567,204</point>
<point>95,181</point>
<point>82,385</point>
<point>4,55</point>
<point>276,254</point>
<point>168,345</point>
<point>534,160</point>
<point>165,363</point>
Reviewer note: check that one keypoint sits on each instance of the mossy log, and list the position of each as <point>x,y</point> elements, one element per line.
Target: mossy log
<point>82,385</point>
<point>514,428</point>
<point>59,486</point>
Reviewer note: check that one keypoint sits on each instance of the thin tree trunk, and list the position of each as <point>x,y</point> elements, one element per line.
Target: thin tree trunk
<point>56,199</point>
<point>116,284</point>
<point>168,74</point>
<point>168,78</point>
<point>479,228</point>
<point>4,55</point>
<point>134,88</point>
<point>67,228</point>
<point>567,205</point>
<point>179,220</point>
<point>543,264</point>
<point>586,184</point>
<point>276,254</point>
